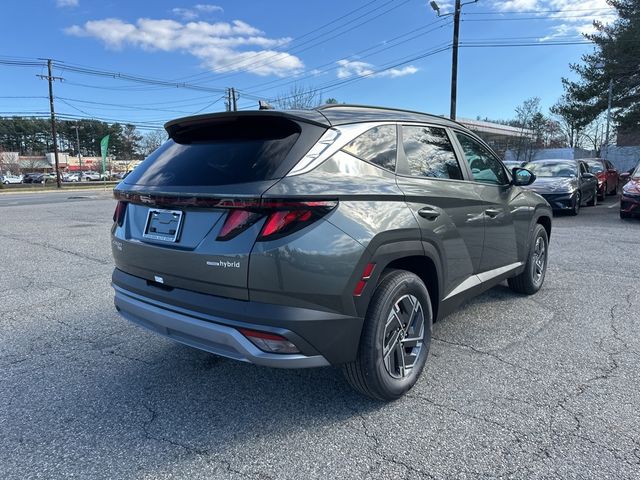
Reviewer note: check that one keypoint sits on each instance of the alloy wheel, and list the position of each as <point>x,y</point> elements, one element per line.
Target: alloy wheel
<point>539,260</point>
<point>403,336</point>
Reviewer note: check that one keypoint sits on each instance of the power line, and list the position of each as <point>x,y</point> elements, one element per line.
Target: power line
<point>320,69</point>
<point>315,41</point>
<point>132,78</point>
<point>530,12</point>
<point>293,41</point>
<point>123,107</point>
<point>519,19</point>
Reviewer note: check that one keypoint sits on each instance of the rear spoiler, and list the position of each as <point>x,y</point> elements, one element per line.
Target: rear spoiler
<point>179,125</point>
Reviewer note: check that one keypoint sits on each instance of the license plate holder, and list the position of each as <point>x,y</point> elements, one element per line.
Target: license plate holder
<point>163,225</point>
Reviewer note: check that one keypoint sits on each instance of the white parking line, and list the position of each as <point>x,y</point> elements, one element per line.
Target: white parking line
<point>617,204</point>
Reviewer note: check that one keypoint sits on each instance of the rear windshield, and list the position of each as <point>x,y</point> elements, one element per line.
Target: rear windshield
<point>221,153</point>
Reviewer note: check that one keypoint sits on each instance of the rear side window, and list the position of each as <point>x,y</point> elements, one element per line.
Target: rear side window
<point>429,153</point>
<point>377,145</point>
<point>221,153</point>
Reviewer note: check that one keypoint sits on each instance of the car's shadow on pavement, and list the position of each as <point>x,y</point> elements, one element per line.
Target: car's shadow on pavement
<point>205,403</point>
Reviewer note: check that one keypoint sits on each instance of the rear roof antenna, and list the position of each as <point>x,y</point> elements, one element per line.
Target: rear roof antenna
<point>264,105</point>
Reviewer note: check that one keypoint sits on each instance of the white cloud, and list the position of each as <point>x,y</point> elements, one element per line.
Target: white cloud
<point>67,3</point>
<point>206,7</point>
<point>220,46</point>
<point>347,68</point>
<point>573,17</point>
<point>196,11</point>
<point>517,5</point>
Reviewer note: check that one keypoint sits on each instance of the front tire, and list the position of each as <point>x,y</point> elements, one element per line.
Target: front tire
<point>577,201</point>
<point>594,200</point>
<point>532,278</point>
<point>395,339</point>
<point>605,192</point>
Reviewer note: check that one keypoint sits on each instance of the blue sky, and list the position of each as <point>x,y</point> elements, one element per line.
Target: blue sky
<point>264,48</point>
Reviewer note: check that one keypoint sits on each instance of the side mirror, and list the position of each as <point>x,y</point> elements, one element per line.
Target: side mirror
<point>522,177</point>
<point>588,175</point>
<point>612,170</point>
<point>625,176</point>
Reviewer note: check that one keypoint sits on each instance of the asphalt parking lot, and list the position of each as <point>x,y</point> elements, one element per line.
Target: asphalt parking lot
<point>515,387</point>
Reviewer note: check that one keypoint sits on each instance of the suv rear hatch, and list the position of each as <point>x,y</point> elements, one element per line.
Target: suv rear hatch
<point>189,215</point>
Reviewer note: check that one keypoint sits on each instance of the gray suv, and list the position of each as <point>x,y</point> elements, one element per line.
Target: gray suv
<point>334,236</point>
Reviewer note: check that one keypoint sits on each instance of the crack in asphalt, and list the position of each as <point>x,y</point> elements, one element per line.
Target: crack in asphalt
<point>377,451</point>
<point>53,247</point>
<point>487,353</point>
<point>191,450</point>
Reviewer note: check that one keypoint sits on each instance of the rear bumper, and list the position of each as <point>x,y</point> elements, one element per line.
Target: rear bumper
<point>211,323</point>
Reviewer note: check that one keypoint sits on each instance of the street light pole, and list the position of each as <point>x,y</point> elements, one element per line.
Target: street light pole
<point>609,114</point>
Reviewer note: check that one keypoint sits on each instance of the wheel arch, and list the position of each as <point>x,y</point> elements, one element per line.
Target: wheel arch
<point>418,257</point>
<point>545,221</point>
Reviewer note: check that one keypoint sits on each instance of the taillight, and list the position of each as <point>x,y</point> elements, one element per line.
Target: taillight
<point>236,222</point>
<point>118,215</point>
<point>283,217</point>
<point>269,342</point>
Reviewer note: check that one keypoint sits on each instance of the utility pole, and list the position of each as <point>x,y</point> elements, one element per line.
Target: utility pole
<point>51,78</point>
<point>454,60</point>
<point>454,55</point>
<point>234,98</point>
<point>609,114</point>
<point>227,102</point>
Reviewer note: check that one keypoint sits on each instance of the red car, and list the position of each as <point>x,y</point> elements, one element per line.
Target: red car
<point>630,199</point>
<point>607,174</point>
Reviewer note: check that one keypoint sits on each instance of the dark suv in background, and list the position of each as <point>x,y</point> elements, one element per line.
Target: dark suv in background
<point>334,236</point>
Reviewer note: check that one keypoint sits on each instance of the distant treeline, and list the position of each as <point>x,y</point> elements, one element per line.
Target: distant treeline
<point>32,136</point>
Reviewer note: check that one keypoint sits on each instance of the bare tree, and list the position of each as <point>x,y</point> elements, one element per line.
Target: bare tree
<point>299,98</point>
<point>594,135</point>
<point>151,141</point>
<point>528,117</point>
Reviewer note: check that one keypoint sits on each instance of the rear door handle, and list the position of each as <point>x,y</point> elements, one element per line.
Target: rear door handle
<point>491,213</point>
<point>428,213</point>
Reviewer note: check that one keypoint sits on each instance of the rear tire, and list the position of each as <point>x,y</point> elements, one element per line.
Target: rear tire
<point>532,278</point>
<point>390,358</point>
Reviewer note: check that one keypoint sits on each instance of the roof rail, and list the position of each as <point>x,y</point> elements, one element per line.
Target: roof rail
<point>376,107</point>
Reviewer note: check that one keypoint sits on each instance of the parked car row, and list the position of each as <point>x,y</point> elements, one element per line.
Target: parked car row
<point>570,184</point>
<point>38,177</point>
<point>9,179</point>
<point>566,184</point>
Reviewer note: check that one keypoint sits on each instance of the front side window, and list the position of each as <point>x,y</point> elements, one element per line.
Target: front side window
<point>430,153</point>
<point>377,145</point>
<point>484,166</point>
